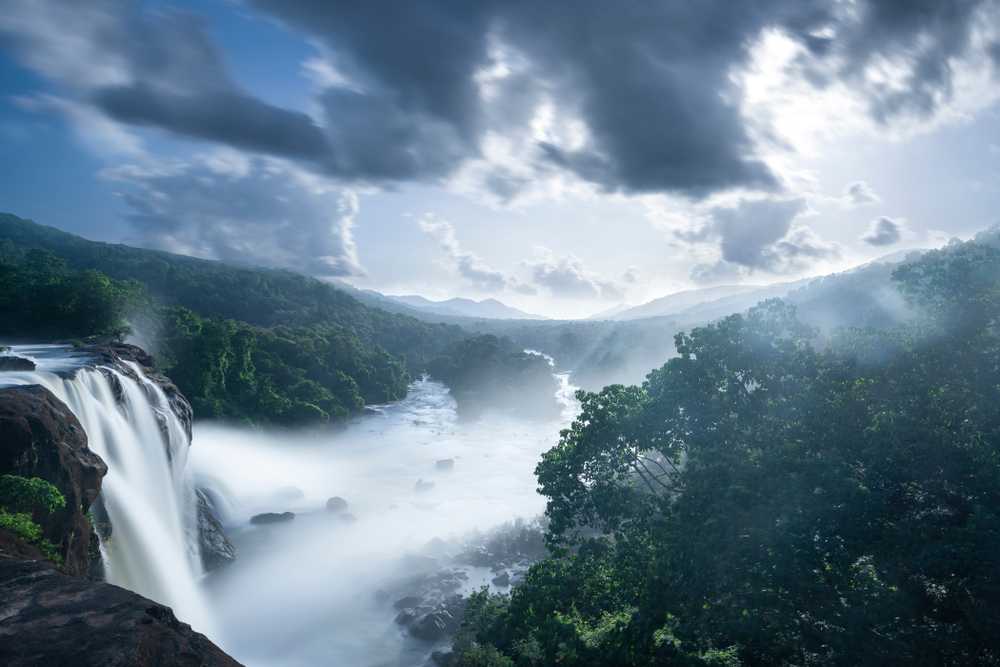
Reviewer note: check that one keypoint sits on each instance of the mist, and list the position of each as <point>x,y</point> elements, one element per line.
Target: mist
<point>421,487</point>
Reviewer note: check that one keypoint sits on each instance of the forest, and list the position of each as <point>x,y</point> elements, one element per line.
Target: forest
<point>773,496</point>
<point>244,344</point>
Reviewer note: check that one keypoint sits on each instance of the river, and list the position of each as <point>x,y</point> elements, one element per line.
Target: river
<point>305,592</point>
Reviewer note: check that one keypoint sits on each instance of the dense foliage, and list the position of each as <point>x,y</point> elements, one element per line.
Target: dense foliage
<point>490,372</point>
<point>283,375</point>
<point>763,500</point>
<point>41,296</point>
<point>242,343</point>
<point>22,501</point>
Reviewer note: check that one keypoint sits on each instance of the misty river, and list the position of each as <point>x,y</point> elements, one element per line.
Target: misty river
<point>314,590</point>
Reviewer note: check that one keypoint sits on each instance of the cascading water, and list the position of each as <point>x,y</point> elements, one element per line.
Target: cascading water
<point>147,492</point>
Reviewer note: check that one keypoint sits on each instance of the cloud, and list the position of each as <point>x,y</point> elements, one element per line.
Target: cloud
<point>883,231</point>
<point>650,86</point>
<point>566,277</point>
<point>242,210</point>
<point>757,235</point>
<point>467,264</point>
<point>859,193</point>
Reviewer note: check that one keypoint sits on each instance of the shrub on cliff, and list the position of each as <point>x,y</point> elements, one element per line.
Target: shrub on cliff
<point>22,498</point>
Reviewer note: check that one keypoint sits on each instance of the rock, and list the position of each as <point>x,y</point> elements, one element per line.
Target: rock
<point>445,464</point>
<point>336,504</point>
<point>12,363</point>
<point>408,602</point>
<point>443,621</point>
<point>49,618</point>
<point>272,517</point>
<point>502,580</point>
<point>422,486</point>
<point>216,549</point>
<point>40,437</point>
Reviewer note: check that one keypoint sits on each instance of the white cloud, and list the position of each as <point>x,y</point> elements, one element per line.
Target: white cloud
<point>244,210</point>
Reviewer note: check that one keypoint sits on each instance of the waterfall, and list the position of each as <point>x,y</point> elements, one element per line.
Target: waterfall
<point>147,493</point>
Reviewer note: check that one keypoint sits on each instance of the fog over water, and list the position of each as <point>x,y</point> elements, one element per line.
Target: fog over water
<point>305,592</point>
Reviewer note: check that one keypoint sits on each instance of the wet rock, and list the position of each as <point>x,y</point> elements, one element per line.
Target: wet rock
<point>408,602</point>
<point>336,504</point>
<point>216,549</point>
<point>50,618</point>
<point>422,486</point>
<point>443,621</point>
<point>272,517</point>
<point>502,580</point>
<point>40,437</point>
<point>12,363</point>
<point>445,465</point>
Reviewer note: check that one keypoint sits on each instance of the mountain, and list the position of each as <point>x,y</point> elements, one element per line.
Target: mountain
<point>458,307</point>
<point>677,302</point>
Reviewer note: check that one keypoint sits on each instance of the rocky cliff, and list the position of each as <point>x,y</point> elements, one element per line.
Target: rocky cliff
<point>49,618</point>
<point>40,437</point>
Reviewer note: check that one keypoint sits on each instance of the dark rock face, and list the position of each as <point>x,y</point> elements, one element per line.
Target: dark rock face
<point>40,437</point>
<point>216,549</point>
<point>12,363</point>
<point>48,618</point>
<point>272,517</point>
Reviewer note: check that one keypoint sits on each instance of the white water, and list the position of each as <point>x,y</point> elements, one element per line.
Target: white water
<point>147,492</point>
<point>301,593</point>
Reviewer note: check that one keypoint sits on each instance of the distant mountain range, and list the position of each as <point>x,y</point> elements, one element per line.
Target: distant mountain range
<point>487,308</point>
<point>697,306</point>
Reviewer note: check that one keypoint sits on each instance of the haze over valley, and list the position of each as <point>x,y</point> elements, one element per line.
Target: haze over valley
<point>499,334</point>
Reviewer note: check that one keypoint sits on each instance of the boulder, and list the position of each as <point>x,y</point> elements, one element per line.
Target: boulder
<point>272,517</point>
<point>502,580</point>
<point>49,618</point>
<point>443,621</point>
<point>40,437</point>
<point>12,363</point>
<point>216,549</point>
<point>445,464</point>
<point>336,504</point>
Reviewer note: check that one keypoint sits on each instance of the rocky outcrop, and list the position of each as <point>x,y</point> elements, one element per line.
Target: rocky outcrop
<point>216,549</point>
<point>114,354</point>
<point>40,437</point>
<point>49,618</point>
<point>12,363</point>
<point>272,517</point>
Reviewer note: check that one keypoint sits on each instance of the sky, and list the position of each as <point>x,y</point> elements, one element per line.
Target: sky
<point>562,157</point>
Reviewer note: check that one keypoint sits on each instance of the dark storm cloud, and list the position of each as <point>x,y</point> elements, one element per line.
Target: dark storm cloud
<point>922,38</point>
<point>757,235</point>
<point>228,117</point>
<point>883,231</point>
<point>652,83</point>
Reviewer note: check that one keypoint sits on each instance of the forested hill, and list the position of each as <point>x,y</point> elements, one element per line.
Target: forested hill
<point>259,296</point>
<point>243,343</point>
